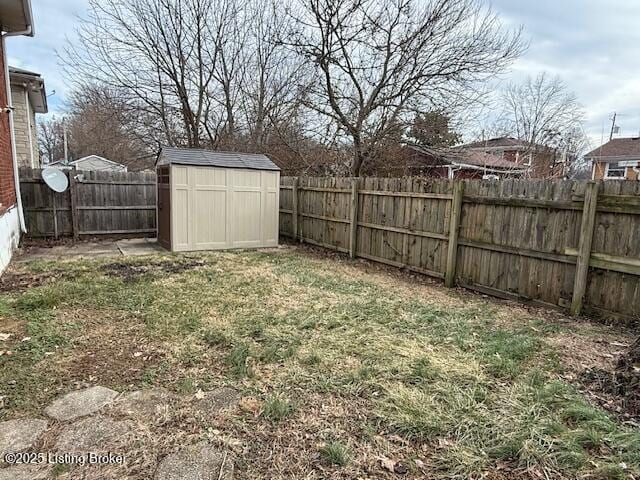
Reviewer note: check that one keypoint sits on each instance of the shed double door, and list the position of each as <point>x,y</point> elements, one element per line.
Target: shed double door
<point>217,208</point>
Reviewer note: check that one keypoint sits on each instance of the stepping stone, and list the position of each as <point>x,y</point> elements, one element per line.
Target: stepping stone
<point>198,462</point>
<point>92,434</point>
<point>19,435</point>
<point>145,403</point>
<point>26,472</point>
<point>213,401</point>
<point>80,403</point>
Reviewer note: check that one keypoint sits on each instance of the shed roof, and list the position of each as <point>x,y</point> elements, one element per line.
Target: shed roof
<point>211,158</point>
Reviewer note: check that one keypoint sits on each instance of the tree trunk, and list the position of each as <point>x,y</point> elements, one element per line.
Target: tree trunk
<point>358,157</point>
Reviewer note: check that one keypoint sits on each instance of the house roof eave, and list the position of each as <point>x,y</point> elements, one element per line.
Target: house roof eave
<point>16,17</point>
<point>35,87</point>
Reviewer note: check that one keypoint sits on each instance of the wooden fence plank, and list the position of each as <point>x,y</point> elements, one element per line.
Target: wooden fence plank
<point>454,230</point>
<point>584,249</point>
<point>517,239</point>
<point>96,203</point>
<point>294,209</point>
<point>353,226</point>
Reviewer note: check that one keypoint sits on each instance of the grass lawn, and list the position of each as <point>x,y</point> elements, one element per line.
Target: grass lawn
<point>347,370</point>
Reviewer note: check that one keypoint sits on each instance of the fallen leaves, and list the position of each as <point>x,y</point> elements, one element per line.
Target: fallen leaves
<point>250,405</point>
<point>392,466</point>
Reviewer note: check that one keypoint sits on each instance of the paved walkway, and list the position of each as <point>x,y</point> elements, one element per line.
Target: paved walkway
<point>98,420</point>
<point>106,248</point>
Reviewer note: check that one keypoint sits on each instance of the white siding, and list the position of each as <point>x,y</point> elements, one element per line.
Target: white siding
<point>9,235</point>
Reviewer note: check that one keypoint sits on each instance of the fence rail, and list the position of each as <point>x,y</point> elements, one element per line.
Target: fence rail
<point>566,244</point>
<point>96,203</point>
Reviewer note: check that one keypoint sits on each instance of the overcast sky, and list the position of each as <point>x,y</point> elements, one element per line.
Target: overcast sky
<point>593,45</point>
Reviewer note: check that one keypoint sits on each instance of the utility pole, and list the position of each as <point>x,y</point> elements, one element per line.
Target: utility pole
<point>64,137</point>
<point>613,126</point>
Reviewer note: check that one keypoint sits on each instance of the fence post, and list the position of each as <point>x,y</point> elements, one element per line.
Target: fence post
<point>454,227</point>
<point>353,226</point>
<point>294,208</point>
<point>73,200</point>
<point>584,247</point>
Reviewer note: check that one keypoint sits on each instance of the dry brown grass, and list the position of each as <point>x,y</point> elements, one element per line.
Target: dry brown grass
<point>382,366</point>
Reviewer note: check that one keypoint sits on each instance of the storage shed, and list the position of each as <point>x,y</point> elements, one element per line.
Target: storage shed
<point>210,200</point>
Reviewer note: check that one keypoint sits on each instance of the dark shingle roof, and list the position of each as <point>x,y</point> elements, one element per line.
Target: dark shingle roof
<point>211,158</point>
<point>494,142</point>
<point>618,147</point>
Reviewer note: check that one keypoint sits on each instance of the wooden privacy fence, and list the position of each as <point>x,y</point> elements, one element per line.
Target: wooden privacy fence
<point>96,203</point>
<point>551,243</point>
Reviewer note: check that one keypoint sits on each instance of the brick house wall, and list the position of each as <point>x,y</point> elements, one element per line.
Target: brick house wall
<point>598,170</point>
<point>7,186</point>
<point>24,127</point>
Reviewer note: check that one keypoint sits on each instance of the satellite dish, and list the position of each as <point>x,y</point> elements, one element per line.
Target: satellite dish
<point>55,179</point>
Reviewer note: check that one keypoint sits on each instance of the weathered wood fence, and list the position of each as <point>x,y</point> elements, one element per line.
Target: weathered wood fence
<point>96,203</point>
<point>551,243</point>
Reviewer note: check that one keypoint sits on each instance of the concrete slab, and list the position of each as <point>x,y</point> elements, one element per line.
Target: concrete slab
<point>145,403</point>
<point>26,472</point>
<point>106,248</point>
<point>93,434</point>
<point>201,461</point>
<point>69,251</point>
<point>80,403</point>
<point>19,435</point>
<point>139,246</point>
<point>211,402</point>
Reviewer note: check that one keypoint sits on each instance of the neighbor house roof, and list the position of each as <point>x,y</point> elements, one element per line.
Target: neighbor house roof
<point>501,144</point>
<point>463,157</point>
<point>88,157</point>
<point>16,17</point>
<point>494,142</point>
<point>211,158</point>
<point>35,87</point>
<point>618,148</point>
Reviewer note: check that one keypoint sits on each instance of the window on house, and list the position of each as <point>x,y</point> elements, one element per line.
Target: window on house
<point>615,171</point>
<point>528,159</point>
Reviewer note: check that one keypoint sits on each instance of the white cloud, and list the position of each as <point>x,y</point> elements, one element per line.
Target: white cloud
<point>591,44</point>
<point>54,21</point>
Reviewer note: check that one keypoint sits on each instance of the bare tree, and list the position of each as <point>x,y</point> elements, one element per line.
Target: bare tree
<point>379,61</point>
<point>271,97</point>
<point>543,112</point>
<point>51,138</point>
<point>160,54</point>
<point>100,122</point>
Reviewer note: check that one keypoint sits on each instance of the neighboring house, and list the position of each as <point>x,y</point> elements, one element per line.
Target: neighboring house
<point>541,161</point>
<point>15,19</point>
<point>90,162</point>
<point>28,97</point>
<point>459,163</point>
<point>618,159</point>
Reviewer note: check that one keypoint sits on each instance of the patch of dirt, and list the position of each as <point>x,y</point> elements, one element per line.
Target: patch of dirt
<point>581,352</point>
<point>20,281</point>
<point>617,389</point>
<point>131,272</point>
<point>110,351</point>
<point>27,244</point>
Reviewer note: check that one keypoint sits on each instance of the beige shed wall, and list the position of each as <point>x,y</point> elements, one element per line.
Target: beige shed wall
<point>217,208</point>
